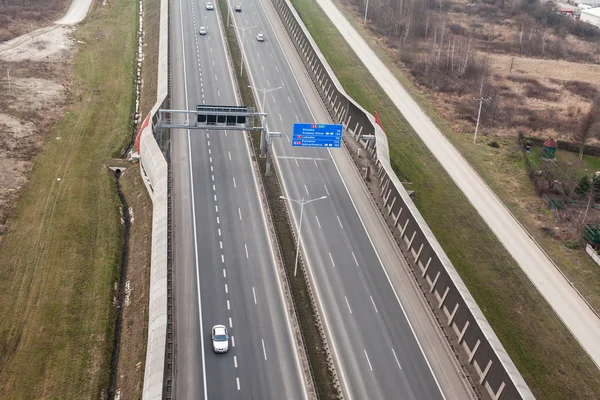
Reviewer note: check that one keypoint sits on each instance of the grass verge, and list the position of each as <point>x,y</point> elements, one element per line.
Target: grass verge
<point>300,292</point>
<point>61,252</point>
<point>552,363</point>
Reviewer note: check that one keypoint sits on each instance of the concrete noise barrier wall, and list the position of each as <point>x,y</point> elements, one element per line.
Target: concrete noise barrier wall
<point>154,170</point>
<point>496,371</point>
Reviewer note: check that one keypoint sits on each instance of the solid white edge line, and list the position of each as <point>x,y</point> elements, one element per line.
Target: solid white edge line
<point>299,367</point>
<point>205,390</point>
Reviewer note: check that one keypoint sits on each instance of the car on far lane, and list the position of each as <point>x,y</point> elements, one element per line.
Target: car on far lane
<point>202,30</point>
<point>220,339</point>
<point>238,8</point>
<point>210,6</point>
<point>260,37</point>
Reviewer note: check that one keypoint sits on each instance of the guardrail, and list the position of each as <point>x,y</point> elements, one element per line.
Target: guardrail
<point>482,348</point>
<point>154,170</point>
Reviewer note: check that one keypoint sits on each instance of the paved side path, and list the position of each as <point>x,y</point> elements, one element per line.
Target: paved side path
<point>562,297</point>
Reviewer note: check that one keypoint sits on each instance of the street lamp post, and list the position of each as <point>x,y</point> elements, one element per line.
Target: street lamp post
<point>302,202</point>
<point>264,92</point>
<point>243,38</point>
<point>366,10</point>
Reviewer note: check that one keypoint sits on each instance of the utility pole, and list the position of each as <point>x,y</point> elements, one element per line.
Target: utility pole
<point>481,100</point>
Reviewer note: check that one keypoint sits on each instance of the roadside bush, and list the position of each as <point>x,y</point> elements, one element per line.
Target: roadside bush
<point>579,88</point>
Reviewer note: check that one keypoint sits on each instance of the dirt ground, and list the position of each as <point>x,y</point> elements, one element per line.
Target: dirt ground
<point>34,82</point>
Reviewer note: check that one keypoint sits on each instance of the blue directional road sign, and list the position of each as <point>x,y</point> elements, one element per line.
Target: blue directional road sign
<point>317,135</point>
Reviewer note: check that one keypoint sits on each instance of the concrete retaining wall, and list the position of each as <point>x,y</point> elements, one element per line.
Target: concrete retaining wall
<point>496,371</point>
<point>155,174</point>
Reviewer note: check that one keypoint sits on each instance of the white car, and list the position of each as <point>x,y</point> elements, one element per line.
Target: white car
<point>260,37</point>
<point>220,339</point>
<point>202,30</point>
<point>210,6</point>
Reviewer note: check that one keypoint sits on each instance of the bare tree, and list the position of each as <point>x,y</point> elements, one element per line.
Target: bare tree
<point>589,126</point>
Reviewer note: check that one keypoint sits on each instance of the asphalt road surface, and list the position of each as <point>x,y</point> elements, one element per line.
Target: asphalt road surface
<point>378,354</point>
<point>224,269</point>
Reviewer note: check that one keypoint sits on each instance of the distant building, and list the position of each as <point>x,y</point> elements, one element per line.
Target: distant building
<point>591,16</point>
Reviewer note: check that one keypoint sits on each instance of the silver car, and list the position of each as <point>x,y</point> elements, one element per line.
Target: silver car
<point>210,6</point>
<point>260,37</point>
<point>202,30</point>
<point>220,339</point>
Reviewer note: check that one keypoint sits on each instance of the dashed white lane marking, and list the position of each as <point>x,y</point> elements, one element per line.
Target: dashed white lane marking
<point>240,213</point>
<point>211,169</point>
<point>213,62</point>
<point>264,351</point>
<point>223,258</point>
<point>224,273</point>
<point>366,355</point>
<point>297,120</point>
<point>216,208</point>
<point>263,67</point>
<point>317,218</point>
<point>214,188</point>
<point>225,133</point>
<point>210,159</point>
<point>218,221</point>
<point>326,190</point>
<point>355,261</point>
<point>232,340</point>
<point>274,101</point>
<point>374,306</point>
<point>229,153</point>
<point>237,380</point>
<point>228,305</point>
<point>211,49</point>
<point>316,165</point>
<point>234,359</point>
<point>340,222</point>
<point>230,323</point>
<point>331,258</point>
<point>234,185</point>
<point>246,247</point>
<point>226,289</point>
<point>254,295</point>
<point>218,93</point>
<point>213,178</point>
<point>288,139</point>
<point>283,83</point>
<point>348,304</point>
<point>209,142</point>
<point>281,119</point>
<point>305,188</point>
<point>209,152</point>
<point>215,197</point>
<point>398,362</point>
<point>289,99</point>
<point>297,165</point>
<point>207,135</point>
<point>271,55</point>
<point>219,231</point>
<point>268,84</point>
<point>216,77</point>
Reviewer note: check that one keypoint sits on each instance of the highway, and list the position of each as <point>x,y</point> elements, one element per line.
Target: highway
<point>224,269</point>
<point>377,353</point>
